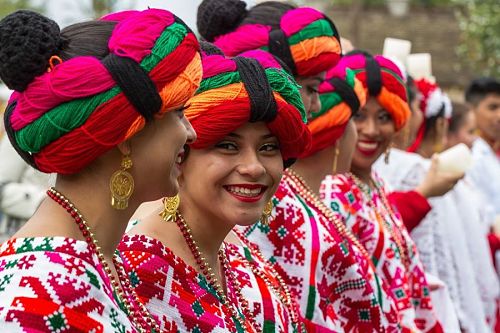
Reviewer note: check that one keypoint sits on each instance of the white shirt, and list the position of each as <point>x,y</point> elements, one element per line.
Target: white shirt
<point>485,173</point>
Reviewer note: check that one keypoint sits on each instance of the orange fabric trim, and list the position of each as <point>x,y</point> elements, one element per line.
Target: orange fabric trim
<point>397,107</point>
<point>175,94</point>
<point>311,48</point>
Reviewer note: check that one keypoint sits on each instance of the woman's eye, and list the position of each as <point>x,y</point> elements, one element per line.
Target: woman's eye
<point>313,90</point>
<point>270,147</point>
<point>385,117</point>
<point>227,146</point>
<point>180,111</point>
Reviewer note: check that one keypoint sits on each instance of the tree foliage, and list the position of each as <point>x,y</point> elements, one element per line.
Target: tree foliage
<point>480,25</point>
<point>9,6</point>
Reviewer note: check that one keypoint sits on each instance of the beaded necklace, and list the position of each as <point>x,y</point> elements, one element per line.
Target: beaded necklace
<point>283,293</point>
<point>390,225</point>
<point>212,279</point>
<point>307,193</point>
<point>141,318</point>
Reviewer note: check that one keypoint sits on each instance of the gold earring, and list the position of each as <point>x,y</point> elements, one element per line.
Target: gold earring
<point>266,214</point>
<point>121,185</point>
<point>335,158</point>
<point>170,211</point>
<point>387,153</point>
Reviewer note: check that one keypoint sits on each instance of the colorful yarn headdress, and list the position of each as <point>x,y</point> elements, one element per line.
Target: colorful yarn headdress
<point>341,95</point>
<point>63,119</point>
<point>382,79</point>
<point>252,87</point>
<point>433,103</point>
<point>306,40</point>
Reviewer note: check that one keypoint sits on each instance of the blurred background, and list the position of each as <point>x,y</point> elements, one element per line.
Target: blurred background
<point>463,36</point>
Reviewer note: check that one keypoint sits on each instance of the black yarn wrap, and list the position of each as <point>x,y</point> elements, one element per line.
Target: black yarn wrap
<point>27,41</point>
<point>218,17</point>
<point>347,93</point>
<point>135,83</point>
<point>373,76</point>
<point>278,46</point>
<point>262,103</point>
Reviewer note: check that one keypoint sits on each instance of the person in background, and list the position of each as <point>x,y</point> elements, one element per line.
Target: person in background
<point>475,216</point>
<point>413,204</point>
<point>306,244</point>
<point>483,96</point>
<point>359,198</point>
<point>22,189</point>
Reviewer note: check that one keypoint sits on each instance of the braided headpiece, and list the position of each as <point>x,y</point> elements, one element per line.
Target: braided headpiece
<point>381,79</point>
<point>61,120</point>
<point>433,103</point>
<point>306,40</point>
<point>251,87</point>
<point>341,95</point>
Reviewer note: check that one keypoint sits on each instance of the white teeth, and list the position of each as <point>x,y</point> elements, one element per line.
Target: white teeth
<point>179,159</point>
<point>244,191</point>
<point>368,146</point>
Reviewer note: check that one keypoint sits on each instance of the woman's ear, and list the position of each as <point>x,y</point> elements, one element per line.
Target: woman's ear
<point>124,147</point>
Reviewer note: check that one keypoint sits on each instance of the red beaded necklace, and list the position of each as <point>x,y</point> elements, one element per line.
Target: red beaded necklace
<point>210,276</point>
<point>124,291</point>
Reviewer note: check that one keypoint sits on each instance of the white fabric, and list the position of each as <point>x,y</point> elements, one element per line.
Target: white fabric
<point>443,305</point>
<point>485,173</point>
<point>450,240</point>
<point>22,189</point>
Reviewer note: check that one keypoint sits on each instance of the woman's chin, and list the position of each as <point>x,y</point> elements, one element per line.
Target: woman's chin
<point>246,221</point>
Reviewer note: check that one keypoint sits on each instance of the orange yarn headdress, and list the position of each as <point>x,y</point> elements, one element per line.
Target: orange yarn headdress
<point>252,87</point>
<point>383,80</point>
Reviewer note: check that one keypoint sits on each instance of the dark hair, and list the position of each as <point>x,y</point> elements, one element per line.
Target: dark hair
<point>87,39</point>
<point>219,17</point>
<point>460,111</point>
<point>412,90</point>
<point>210,49</point>
<point>28,40</point>
<point>430,123</point>
<point>479,88</point>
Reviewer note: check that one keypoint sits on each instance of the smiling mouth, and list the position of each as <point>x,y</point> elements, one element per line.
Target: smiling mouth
<point>367,148</point>
<point>246,192</point>
<point>180,157</point>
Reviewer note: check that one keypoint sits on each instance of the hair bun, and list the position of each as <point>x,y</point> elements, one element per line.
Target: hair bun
<point>27,41</point>
<point>218,17</point>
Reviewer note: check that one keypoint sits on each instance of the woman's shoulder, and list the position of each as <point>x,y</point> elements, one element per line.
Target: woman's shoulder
<point>56,283</point>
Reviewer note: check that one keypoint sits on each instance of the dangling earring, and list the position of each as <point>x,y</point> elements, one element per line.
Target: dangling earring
<point>335,158</point>
<point>406,137</point>
<point>266,214</point>
<point>170,211</point>
<point>121,185</point>
<point>437,147</point>
<point>387,153</point>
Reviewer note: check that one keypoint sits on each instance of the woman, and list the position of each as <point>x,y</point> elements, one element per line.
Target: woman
<point>193,273</point>
<point>321,261</point>
<point>87,100</point>
<point>439,237</point>
<point>412,204</point>
<point>305,39</point>
<point>360,197</point>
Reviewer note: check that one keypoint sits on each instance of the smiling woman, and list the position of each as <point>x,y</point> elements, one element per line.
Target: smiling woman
<point>359,198</point>
<point>194,274</point>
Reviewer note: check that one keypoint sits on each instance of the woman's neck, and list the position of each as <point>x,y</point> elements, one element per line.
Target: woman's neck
<point>427,148</point>
<point>93,201</point>
<point>315,168</point>
<point>208,231</point>
<point>365,175</point>
<point>107,223</point>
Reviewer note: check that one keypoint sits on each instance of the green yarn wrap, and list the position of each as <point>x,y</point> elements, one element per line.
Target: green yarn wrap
<point>63,118</point>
